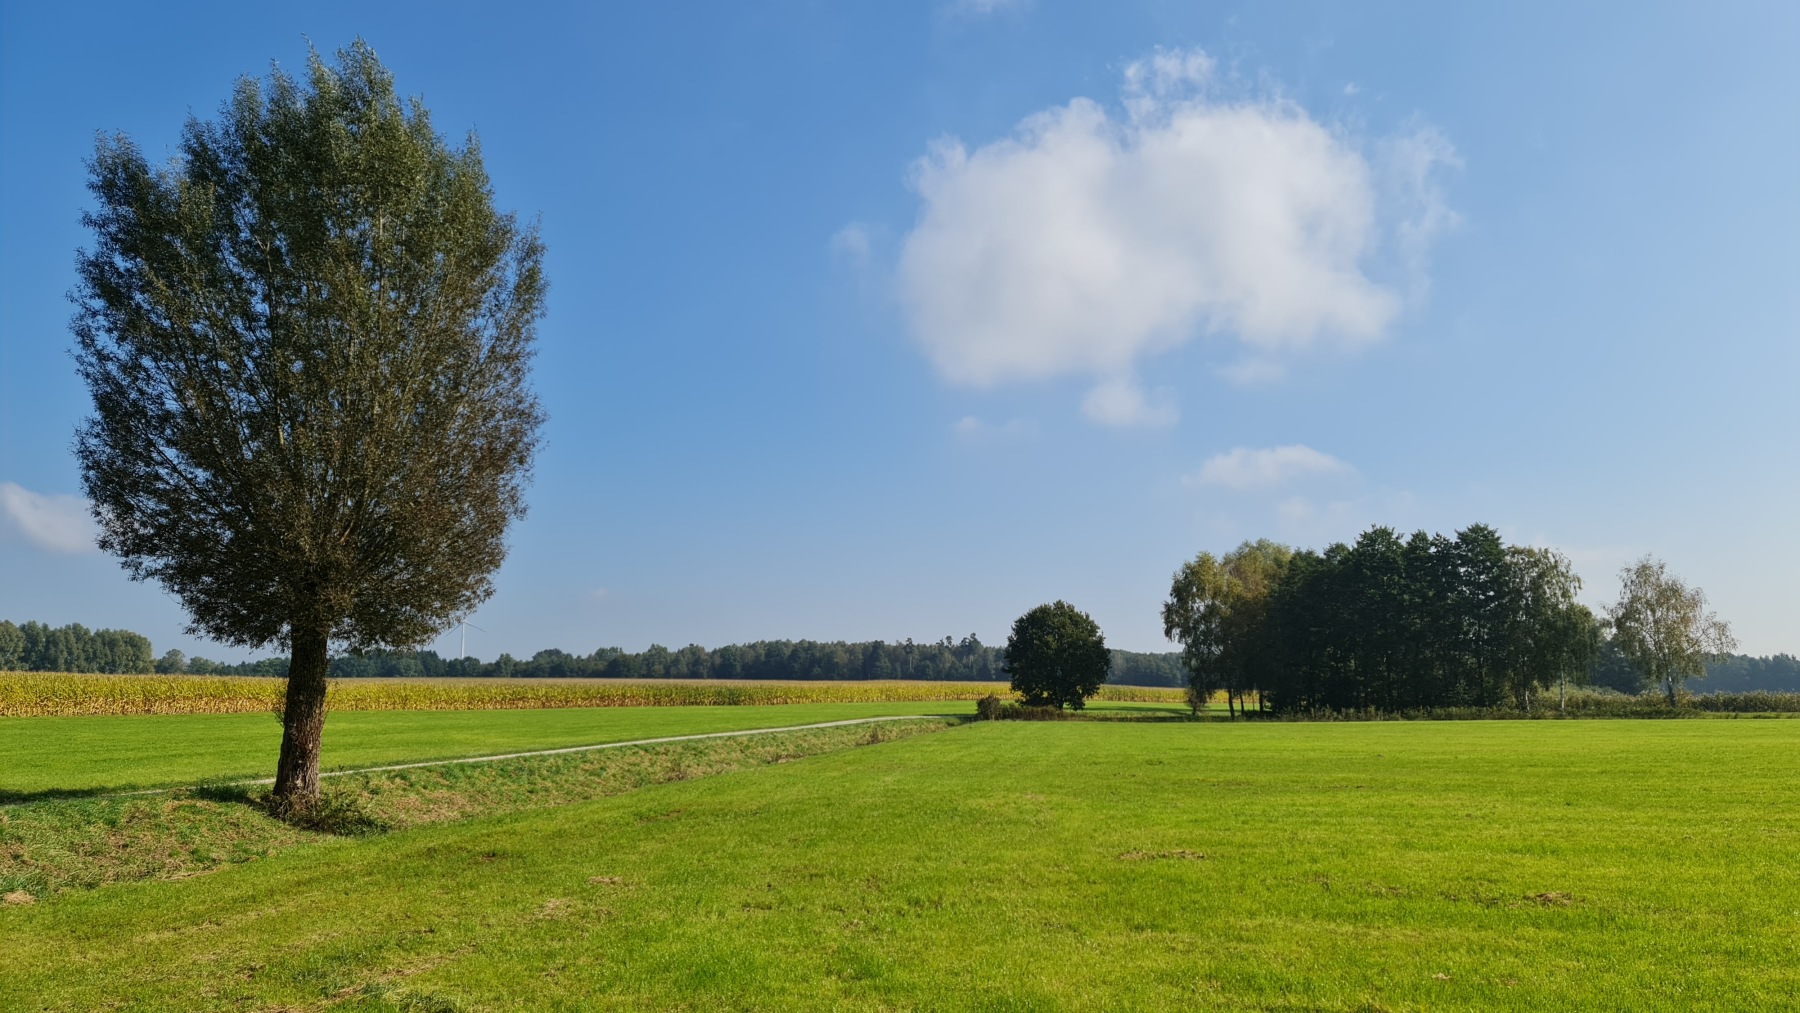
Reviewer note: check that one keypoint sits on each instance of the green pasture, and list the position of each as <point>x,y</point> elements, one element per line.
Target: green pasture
<point>1644,865</point>
<point>82,754</point>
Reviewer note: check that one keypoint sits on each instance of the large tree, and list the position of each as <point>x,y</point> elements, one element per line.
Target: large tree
<point>1056,656</point>
<point>1216,610</point>
<point>307,339</point>
<point>1663,626</point>
<point>1551,635</point>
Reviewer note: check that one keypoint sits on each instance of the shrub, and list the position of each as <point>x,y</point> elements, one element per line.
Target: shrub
<point>992,708</point>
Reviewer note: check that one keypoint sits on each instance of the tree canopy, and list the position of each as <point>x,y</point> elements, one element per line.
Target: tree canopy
<point>35,647</point>
<point>1663,627</point>
<point>307,341</point>
<point>1056,656</point>
<point>1385,624</point>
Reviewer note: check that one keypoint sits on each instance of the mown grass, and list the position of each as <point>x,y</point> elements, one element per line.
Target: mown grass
<point>56,845</point>
<point>1012,865</point>
<point>47,694</point>
<point>60,756</point>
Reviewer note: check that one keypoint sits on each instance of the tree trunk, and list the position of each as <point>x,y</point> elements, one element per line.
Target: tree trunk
<point>303,721</point>
<point>1670,683</point>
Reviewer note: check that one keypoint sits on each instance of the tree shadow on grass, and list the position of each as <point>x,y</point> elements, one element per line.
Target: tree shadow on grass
<point>341,812</point>
<point>9,796</point>
<point>220,791</point>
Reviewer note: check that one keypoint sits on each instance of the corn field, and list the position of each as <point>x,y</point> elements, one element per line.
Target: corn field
<point>43,694</point>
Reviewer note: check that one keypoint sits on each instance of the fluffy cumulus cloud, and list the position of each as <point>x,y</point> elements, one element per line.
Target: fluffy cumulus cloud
<point>56,523</point>
<point>1244,469</point>
<point>1093,238</point>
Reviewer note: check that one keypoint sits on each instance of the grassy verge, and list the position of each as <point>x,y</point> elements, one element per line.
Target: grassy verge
<point>1010,865</point>
<point>50,846</point>
<point>47,694</point>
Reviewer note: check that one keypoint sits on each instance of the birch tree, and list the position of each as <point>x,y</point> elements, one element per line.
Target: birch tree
<point>1663,626</point>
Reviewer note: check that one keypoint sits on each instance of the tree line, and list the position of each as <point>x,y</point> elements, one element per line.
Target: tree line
<point>1731,673</point>
<point>35,647</point>
<point>946,660</point>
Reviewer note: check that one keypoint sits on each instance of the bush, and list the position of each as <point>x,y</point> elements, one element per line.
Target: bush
<point>1756,702</point>
<point>992,708</point>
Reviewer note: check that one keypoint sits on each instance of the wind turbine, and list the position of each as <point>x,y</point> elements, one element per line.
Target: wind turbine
<point>463,627</point>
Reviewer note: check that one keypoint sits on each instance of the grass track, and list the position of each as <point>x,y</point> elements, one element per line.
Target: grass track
<point>1396,866</point>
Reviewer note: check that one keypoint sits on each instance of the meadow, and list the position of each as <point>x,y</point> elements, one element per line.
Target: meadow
<point>1012,865</point>
<point>61,755</point>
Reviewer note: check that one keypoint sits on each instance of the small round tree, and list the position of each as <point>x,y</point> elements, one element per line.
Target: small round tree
<point>1056,656</point>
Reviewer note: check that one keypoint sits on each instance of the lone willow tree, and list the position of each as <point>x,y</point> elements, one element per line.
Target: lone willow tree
<point>307,339</point>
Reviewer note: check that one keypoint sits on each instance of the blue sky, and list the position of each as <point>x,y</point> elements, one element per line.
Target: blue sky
<point>888,321</point>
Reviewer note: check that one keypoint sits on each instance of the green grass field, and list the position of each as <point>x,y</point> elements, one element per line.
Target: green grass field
<point>44,755</point>
<point>1079,865</point>
<point>111,753</point>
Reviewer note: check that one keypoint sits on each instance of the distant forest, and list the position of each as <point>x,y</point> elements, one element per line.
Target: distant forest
<point>73,649</point>
<point>35,647</point>
<point>947,660</point>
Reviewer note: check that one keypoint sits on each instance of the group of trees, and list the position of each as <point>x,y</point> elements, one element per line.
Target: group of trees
<point>948,660</point>
<point>1425,622</point>
<point>1387,623</point>
<point>35,647</point>
<point>176,663</point>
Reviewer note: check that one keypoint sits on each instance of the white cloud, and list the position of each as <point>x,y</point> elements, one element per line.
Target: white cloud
<point>56,523</point>
<point>1121,401</point>
<point>1411,168</point>
<point>852,243</point>
<point>1253,372</point>
<point>1165,72</point>
<point>1244,469</point>
<point>1088,240</point>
